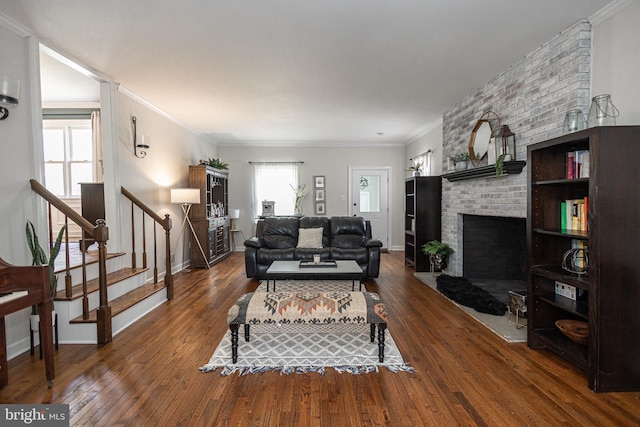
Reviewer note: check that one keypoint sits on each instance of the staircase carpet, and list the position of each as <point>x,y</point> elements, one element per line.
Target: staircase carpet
<point>93,284</point>
<point>120,304</point>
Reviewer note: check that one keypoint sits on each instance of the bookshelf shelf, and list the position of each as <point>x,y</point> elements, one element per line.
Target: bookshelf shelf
<point>607,297</point>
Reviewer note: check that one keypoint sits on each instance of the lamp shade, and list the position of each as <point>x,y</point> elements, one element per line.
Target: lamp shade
<point>185,196</point>
<point>234,213</point>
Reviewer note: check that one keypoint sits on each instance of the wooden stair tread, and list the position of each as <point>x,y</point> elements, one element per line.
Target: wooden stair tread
<point>120,304</point>
<point>93,284</point>
<point>75,260</point>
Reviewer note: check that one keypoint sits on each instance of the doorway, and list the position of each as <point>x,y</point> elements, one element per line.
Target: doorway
<point>369,198</point>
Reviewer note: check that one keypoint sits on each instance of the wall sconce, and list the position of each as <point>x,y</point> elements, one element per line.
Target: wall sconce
<point>9,94</point>
<point>144,140</point>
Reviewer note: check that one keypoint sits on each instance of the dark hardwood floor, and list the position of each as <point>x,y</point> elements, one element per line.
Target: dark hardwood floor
<point>465,375</point>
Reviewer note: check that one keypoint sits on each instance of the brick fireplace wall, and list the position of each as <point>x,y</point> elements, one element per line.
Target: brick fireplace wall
<point>532,97</point>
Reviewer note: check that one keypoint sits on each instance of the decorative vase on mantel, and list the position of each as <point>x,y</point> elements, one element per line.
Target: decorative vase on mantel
<point>460,166</point>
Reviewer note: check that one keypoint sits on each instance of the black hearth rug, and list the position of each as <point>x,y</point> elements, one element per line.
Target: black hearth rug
<point>464,292</point>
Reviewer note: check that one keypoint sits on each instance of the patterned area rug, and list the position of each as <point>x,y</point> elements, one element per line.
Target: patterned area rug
<point>307,348</point>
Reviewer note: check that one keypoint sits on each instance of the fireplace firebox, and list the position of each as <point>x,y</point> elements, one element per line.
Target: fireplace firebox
<point>494,247</point>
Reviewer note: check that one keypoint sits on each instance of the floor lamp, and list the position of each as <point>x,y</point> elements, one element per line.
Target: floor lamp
<point>187,197</point>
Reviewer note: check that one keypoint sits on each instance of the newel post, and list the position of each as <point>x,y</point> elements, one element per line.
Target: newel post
<point>101,235</point>
<point>168,276</point>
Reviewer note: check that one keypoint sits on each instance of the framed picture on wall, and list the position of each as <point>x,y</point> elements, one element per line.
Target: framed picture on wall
<point>318,181</point>
<point>320,208</point>
<point>319,196</point>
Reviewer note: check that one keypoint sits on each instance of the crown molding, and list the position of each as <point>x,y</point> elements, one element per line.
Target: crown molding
<point>608,11</point>
<point>14,26</point>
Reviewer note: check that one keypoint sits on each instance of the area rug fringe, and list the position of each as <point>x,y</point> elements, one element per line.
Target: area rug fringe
<point>286,370</point>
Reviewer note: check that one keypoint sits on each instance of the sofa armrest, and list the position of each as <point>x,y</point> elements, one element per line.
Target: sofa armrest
<point>373,243</point>
<point>254,242</point>
<point>251,258</point>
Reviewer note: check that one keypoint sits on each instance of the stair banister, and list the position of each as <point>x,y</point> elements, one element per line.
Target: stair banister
<point>100,233</point>
<point>166,225</point>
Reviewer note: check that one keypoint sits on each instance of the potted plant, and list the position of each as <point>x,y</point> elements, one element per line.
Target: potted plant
<point>215,162</point>
<point>438,254</point>
<point>500,166</point>
<point>300,192</point>
<point>39,257</point>
<point>460,161</point>
<point>415,168</point>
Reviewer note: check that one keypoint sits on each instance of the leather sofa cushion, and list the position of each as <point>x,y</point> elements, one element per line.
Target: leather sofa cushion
<point>359,255</point>
<point>307,254</point>
<point>348,232</point>
<point>267,256</point>
<point>280,233</point>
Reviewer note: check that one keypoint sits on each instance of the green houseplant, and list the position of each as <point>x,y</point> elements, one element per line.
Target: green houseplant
<point>500,166</point>
<point>438,254</point>
<point>460,161</point>
<point>216,162</point>
<point>39,257</point>
<point>415,168</point>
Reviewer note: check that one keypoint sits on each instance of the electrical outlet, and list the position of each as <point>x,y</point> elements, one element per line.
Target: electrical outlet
<point>565,290</point>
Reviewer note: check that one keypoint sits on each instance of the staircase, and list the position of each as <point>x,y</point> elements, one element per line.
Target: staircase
<point>98,295</point>
<point>132,294</point>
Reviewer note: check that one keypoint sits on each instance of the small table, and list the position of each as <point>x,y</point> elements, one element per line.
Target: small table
<point>347,269</point>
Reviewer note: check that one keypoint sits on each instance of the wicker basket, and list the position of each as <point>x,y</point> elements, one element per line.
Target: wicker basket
<point>575,330</point>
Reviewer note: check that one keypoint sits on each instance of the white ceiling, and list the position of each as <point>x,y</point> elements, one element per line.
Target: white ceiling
<point>294,71</point>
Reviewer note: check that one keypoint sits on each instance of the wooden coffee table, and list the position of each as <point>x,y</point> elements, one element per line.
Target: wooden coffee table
<point>347,269</point>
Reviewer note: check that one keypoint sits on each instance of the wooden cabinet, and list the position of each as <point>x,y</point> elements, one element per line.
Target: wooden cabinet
<point>422,219</point>
<point>608,297</point>
<point>210,217</point>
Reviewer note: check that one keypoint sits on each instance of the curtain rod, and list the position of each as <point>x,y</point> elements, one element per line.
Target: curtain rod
<point>273,163</point>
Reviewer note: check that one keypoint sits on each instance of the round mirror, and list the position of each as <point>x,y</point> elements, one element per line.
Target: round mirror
<point>480,138</point>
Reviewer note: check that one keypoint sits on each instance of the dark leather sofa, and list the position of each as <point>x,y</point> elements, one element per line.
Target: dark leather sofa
<point>343,238</point>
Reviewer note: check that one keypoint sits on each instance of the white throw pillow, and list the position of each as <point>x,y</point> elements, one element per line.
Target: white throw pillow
<point>310,238</point>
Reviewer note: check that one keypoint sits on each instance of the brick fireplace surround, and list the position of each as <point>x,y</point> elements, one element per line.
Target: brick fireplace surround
<point>532,97</point>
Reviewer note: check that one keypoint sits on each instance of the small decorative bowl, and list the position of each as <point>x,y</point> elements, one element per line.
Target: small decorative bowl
<point>575,330</point>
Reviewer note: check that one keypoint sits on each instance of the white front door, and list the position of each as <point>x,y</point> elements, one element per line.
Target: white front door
<point>369,198</point>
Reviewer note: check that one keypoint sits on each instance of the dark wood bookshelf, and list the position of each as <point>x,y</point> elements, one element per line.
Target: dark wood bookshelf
<point>422,220</point>
<point>607,298</point>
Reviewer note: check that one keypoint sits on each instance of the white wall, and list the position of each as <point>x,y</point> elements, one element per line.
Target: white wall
<point>431,140</point>
<point>166,165</point>
<point>616,43</point>
<point>332,162</point>
<point>17,204</point>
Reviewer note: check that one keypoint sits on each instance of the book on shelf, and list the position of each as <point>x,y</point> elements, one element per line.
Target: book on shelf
<point>581,260</point>
<point>578,164</point>
<point>573,214</point>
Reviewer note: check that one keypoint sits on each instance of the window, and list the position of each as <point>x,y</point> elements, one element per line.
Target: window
<point>68,156</point>
<point>275,182</point>
<point>425,160</point>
